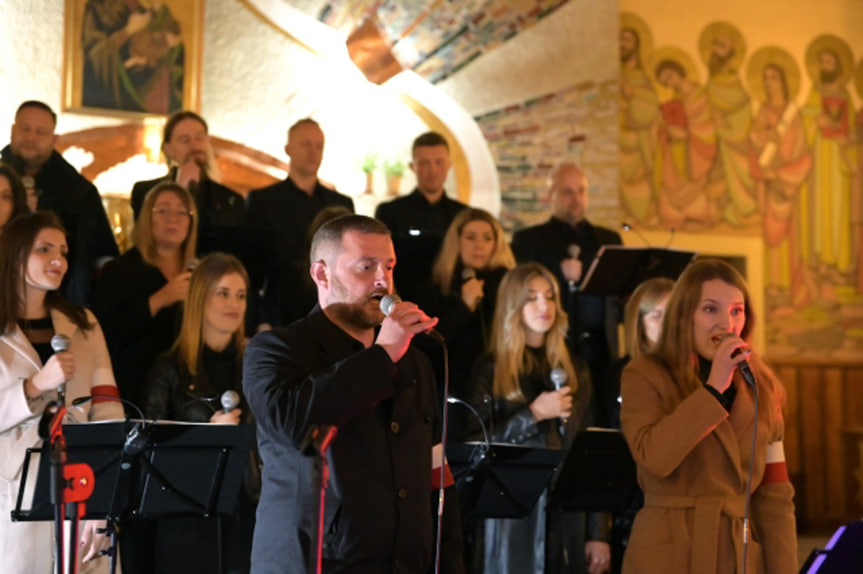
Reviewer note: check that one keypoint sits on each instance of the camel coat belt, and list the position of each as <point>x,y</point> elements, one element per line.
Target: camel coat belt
<point>706,530</point>
<point>693,461</point>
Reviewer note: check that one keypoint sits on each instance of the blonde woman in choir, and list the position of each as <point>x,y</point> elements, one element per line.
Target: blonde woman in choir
<point>529,340</point>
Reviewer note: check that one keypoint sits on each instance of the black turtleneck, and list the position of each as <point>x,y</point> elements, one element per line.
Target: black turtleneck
<point>726,399</point>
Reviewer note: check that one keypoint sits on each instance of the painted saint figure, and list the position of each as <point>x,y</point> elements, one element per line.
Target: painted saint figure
<point>829,124</point>
<point>133,56</point>
<point>639,115</point>
<point>687,144</point>
<point>780,162</point>
<point>723,48</point>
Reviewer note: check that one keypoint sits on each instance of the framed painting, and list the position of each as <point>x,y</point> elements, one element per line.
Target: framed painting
<point>132,57</point>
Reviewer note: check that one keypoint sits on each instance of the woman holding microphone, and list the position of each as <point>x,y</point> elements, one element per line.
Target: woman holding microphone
<point>32,266</point>
<point>186,383</point>
<point>514,383</point>
<point>704,437</point>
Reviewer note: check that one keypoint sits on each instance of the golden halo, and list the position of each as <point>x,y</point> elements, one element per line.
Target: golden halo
<point>778,57</point>
<point>711,32</point>
<point>676,54</point>
<point>839,47</point>
<point>645,36</point>
<point>858,78</point>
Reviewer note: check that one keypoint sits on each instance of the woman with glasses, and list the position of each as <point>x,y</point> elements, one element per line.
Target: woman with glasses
<point>138,298</point>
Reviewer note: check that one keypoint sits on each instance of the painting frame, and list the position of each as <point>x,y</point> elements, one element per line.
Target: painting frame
<point>145,54</point>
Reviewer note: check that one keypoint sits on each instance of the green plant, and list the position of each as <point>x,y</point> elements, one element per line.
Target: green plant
<point>370,162</point>
<point>394,167</point>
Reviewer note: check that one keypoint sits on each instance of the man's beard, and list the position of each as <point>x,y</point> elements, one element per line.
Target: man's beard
<point>354,312</point>
<point>717,62</point>
<point>829,76</point>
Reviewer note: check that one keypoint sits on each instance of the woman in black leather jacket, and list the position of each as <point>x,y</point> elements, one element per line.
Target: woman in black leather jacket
<point>513,382</point>
<point>186,384</point>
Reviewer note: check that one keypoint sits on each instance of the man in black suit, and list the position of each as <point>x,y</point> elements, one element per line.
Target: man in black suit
<point>280,216</point>
<point>346,366</point>
<point>419,221</point>
<point>566,244</point>
<point>57,186</point>
<point>221,211</point>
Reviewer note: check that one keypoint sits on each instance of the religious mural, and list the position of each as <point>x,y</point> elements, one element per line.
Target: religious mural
<point>740,150</point>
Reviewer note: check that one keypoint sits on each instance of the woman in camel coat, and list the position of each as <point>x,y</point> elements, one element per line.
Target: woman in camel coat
<point>32,265</point>
<point>688,416</point>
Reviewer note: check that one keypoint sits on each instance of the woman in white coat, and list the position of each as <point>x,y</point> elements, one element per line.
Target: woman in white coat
<point>32,266</point>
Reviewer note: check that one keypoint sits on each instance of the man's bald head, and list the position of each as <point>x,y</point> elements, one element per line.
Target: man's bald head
<point>568,190</point>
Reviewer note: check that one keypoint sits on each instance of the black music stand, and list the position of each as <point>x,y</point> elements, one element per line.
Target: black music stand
<point>504,483</point>
<point>598,474</point>
<point>617,270</point>
<point>148,470</point>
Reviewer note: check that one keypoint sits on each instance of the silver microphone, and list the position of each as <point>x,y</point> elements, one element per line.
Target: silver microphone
<point>389,301</point>
<point>558,379</point>
<point>229,400</point>
<point>60,344</point>
<point>467,274</point>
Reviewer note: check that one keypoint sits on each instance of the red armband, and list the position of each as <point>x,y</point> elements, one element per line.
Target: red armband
<point>775,470</point>
<point>104,393</point>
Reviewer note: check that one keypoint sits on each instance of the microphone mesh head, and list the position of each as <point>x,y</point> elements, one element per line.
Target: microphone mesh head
<point>468,273</point>
<point>558,377</point>
<point>387,303</point>
<point>574,251</point>
<point>230,400</point>
<point>60,343</point>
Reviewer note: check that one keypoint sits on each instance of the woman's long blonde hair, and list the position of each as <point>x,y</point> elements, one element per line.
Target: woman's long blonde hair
<point>508,336</point>
<point>205,278</point>
<point>448,258</point>
<point>644,299</point>
<point>143,232</point>
<point>676,348</point>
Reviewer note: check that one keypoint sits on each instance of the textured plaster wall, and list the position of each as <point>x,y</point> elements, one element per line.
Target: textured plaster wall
<point>576,44</point>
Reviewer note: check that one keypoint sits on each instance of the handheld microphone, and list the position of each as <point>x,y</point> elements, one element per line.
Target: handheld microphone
<point>60,344</point>
<point>558,379</point>
<point>389,301</point>
<point>742,366</point>
<point>192,264</point>
<point>746,371</point>
<point>467,274</point>
<point>230,400</point>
